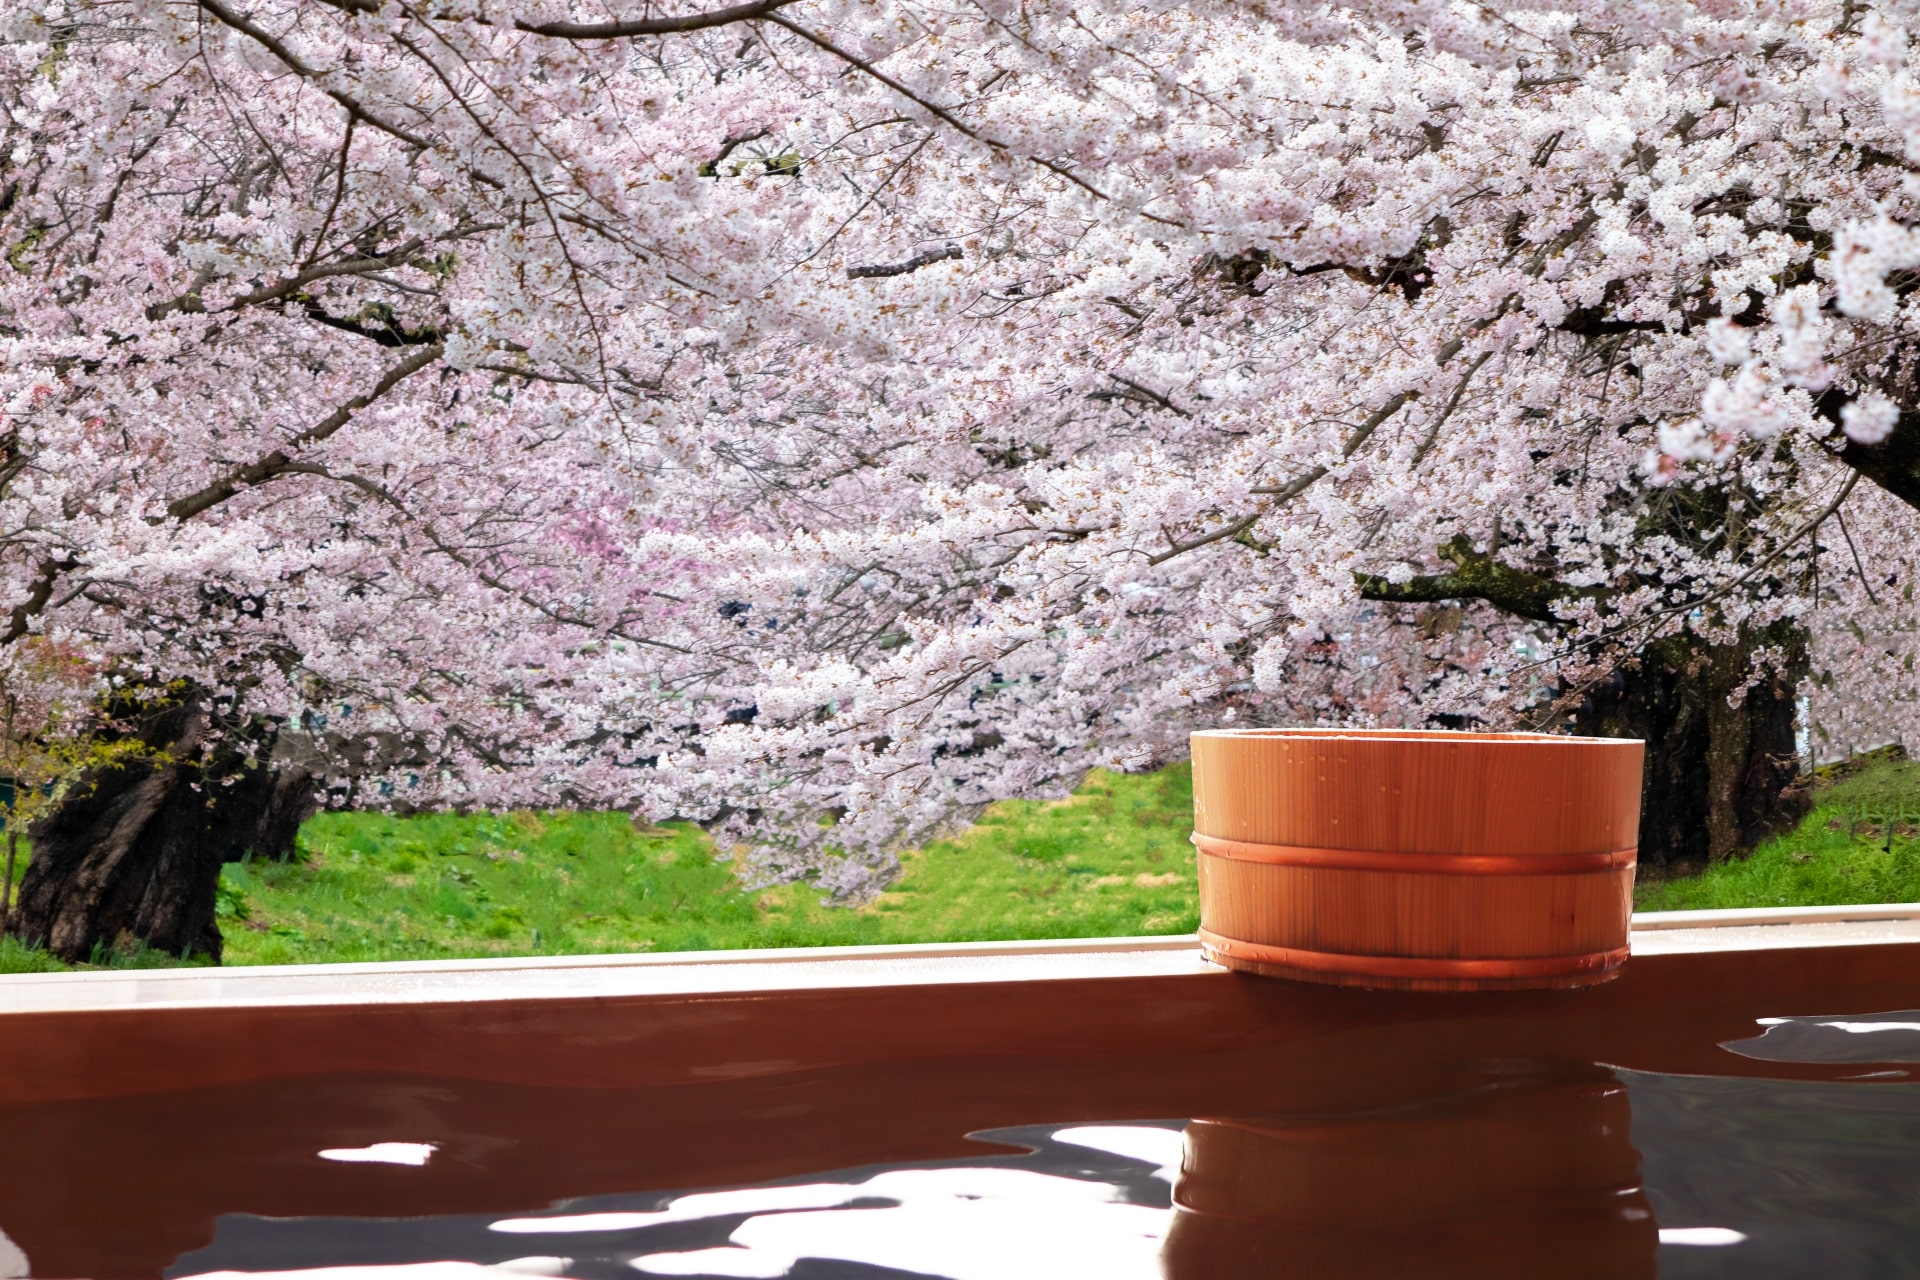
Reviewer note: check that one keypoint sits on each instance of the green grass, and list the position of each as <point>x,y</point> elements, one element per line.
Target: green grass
<point>16,958</point>
<point>1113,859</point>
<point>1861,843</point>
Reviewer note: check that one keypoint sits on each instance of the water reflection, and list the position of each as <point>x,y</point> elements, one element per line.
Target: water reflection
<point>141,1142</point>
<point>1502,1169</point>
<point>1067,1201</point>
<point>1822,1178</point>
<point>1496,1170</point>
<point>1528,1170</point>
<point>1879,1037</point>
<point>13,1262</point>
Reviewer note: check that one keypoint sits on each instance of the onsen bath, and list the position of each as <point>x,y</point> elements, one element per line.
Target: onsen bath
<point>1740,1101</point>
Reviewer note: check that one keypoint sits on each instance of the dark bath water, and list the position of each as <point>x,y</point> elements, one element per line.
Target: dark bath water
<point>1224,1130</point>
<point>1520,1168</point>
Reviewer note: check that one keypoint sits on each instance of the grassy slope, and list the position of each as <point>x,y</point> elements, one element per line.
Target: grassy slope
<point>1112,860</point>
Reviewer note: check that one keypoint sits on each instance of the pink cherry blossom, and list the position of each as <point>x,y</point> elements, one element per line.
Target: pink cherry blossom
<point>822,418</point>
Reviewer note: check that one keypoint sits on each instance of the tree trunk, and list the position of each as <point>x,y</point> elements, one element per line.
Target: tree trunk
<point>1720,776</point>
<point>132,853</point>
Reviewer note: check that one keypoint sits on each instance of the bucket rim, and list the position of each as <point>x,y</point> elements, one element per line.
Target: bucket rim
<point>1432,736</point>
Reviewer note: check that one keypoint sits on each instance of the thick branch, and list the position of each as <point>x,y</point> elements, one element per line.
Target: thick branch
<point>387,334</point>
<point>1893,463</point>
<point>600,30</point>
<point>1131,390</point>
<point>917,261</point>
<point>20,620</point>
<point>1476,576</point>
<point>653,26</point>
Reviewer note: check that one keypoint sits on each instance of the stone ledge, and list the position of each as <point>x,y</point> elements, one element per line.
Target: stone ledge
<point>718,973</point>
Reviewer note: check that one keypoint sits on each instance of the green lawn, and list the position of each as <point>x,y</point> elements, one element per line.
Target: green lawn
<point>1111,861</point>
<point>1861,843</point>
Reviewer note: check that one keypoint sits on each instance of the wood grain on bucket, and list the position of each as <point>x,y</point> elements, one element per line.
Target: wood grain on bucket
<point>1416,859</point>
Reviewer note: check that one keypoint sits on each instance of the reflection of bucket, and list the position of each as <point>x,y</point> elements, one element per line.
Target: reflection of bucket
<point>1416,859</point>
<point>1514,1181</point>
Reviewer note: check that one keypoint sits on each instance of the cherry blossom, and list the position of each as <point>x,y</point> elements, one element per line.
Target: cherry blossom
<point>821,418</point>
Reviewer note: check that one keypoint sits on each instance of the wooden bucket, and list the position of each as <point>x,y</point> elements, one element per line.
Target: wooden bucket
<point>1416,859</point>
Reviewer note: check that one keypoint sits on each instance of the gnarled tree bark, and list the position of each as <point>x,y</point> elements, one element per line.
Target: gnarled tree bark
<point>131,854</point>
<point>1723,766</point>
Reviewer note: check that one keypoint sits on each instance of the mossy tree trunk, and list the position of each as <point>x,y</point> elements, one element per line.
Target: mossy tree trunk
<point>131,852</point>
<point>1723,767</point>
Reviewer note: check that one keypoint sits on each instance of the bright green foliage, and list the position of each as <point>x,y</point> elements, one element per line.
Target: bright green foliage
<point>1113,860</point>
<point>375,887</point>
<point>1861,843</point>
<point>17,958</point>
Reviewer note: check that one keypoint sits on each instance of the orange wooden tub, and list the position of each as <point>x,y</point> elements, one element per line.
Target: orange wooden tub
<point>1416,859</point>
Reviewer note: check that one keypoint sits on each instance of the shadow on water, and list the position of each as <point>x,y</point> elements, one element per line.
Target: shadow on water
<point>1689,1122</point>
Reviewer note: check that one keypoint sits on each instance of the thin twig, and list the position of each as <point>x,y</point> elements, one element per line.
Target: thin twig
<point>1861,569</point>
<point>1361,434</point>
<point>240,22</point>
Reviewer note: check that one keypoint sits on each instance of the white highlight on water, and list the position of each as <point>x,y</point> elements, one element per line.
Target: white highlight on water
<point>13,1260</point>
<point>513,1267</point>
<point>1160,1147</point>
<point>411,1153</point>
<point>1710,1237</point>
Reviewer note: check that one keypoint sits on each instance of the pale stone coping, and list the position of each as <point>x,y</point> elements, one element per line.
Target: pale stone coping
<point>580,977</point>
<point>1764,928</point>
<point>1773,915</point>
<point>696,973</point>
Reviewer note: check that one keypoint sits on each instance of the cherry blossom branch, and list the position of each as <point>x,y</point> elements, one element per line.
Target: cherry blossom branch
<point>1293,488</point>
<point>190,303</point>
<point>653,26</point>
<point>942,113</point>
<point>339,191</point>
<point>1432,436</point>
<point>1725,589</point>
<point>245,26</point>
<point>1361,434</point>
<point>1139,394</point>
<point>20,619</point>
<point>924,258</point>
<point>277,462</point>
<point>381,493</point>
<point>1233,530</point>
<point>1858,567</point>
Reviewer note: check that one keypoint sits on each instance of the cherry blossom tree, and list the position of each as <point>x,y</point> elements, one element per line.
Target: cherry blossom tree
<point>819,418</point>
